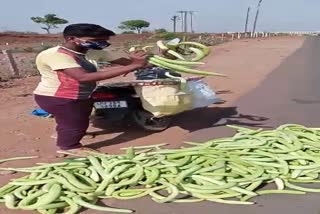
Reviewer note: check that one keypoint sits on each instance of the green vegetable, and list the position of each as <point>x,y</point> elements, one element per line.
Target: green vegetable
<point>177,62</point>
<point>199,54</point>
<point>228,170</point>
<point>182,69</point>
<point>17,158</point>
<point>51,196</point>
<point>177,55</point>
<point>83,203</point>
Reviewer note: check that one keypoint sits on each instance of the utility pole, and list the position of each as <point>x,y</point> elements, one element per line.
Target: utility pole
<point>175,18</point>
<point>257,16</point>
<point>185,21</point>
<point>191,20</point>
<point>247,20</point>
<point>182,20</point>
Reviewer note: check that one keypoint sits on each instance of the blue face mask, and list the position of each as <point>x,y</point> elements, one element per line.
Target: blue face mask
<point>99,45</point>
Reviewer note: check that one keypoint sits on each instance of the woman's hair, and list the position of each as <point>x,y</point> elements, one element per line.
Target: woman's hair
<point>87,30</point>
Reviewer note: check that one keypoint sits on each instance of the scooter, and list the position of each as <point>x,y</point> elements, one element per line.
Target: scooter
<point>119,101</point>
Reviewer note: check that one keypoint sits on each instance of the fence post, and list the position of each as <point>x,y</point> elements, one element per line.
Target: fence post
<point>12,64</point>
<point>222,37</point>
<point>232,37</point>
<point>239,36</point>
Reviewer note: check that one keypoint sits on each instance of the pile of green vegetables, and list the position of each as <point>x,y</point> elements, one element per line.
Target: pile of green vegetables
<point>180,57</point>
<point>228,170</point>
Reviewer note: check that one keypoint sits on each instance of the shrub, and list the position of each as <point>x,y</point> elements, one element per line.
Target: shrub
<point>128,32</point>
<point>168,35</point>
<point>160,30</point>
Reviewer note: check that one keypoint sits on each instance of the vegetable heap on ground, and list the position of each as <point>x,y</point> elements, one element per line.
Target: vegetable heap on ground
<point>185,54</point>
<point>227,170</point>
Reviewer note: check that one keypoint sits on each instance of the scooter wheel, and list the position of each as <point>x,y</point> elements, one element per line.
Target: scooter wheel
<point>148,122</point>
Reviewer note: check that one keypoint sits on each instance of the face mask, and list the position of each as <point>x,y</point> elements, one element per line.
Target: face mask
<point>99,45</point>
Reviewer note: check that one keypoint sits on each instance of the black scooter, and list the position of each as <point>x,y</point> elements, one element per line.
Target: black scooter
<point>119,101</point>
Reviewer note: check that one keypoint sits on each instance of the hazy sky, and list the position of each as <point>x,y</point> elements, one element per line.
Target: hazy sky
<point>211,16</point>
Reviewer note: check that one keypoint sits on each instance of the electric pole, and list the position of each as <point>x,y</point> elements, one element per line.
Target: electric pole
<point>182,20</point>
<point>257,16</point>
<point>247,20</point>
<point>175,18</point>
<point>191,20</point>
<point>185,21</point>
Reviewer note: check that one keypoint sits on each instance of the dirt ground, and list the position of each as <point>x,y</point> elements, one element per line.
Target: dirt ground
<point>247,64</point>
<point>30,40</point>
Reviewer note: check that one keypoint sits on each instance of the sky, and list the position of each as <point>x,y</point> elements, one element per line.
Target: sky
<point>210,16</point>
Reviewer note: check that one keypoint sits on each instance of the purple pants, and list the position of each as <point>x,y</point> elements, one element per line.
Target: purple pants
<point>72,118</point>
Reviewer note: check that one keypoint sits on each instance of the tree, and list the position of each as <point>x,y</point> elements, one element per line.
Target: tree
<point>137,25</point>
<point>50,21</point>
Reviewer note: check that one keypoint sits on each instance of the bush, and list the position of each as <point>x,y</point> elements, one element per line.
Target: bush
<point>160,30</point>
<point>145,31</point>
<point>45,47</point>
<point>128,32</point>
<point>19,32</point>
<point>28,49</point>
<point>168,35</point>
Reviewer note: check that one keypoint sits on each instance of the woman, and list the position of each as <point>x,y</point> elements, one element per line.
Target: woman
<point>68,77</point>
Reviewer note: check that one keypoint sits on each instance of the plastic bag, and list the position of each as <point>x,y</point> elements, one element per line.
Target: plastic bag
<point>202,94</point>
<point>164,100</point>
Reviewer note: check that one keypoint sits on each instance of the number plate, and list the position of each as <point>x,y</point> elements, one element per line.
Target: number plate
<point>111,104</point>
